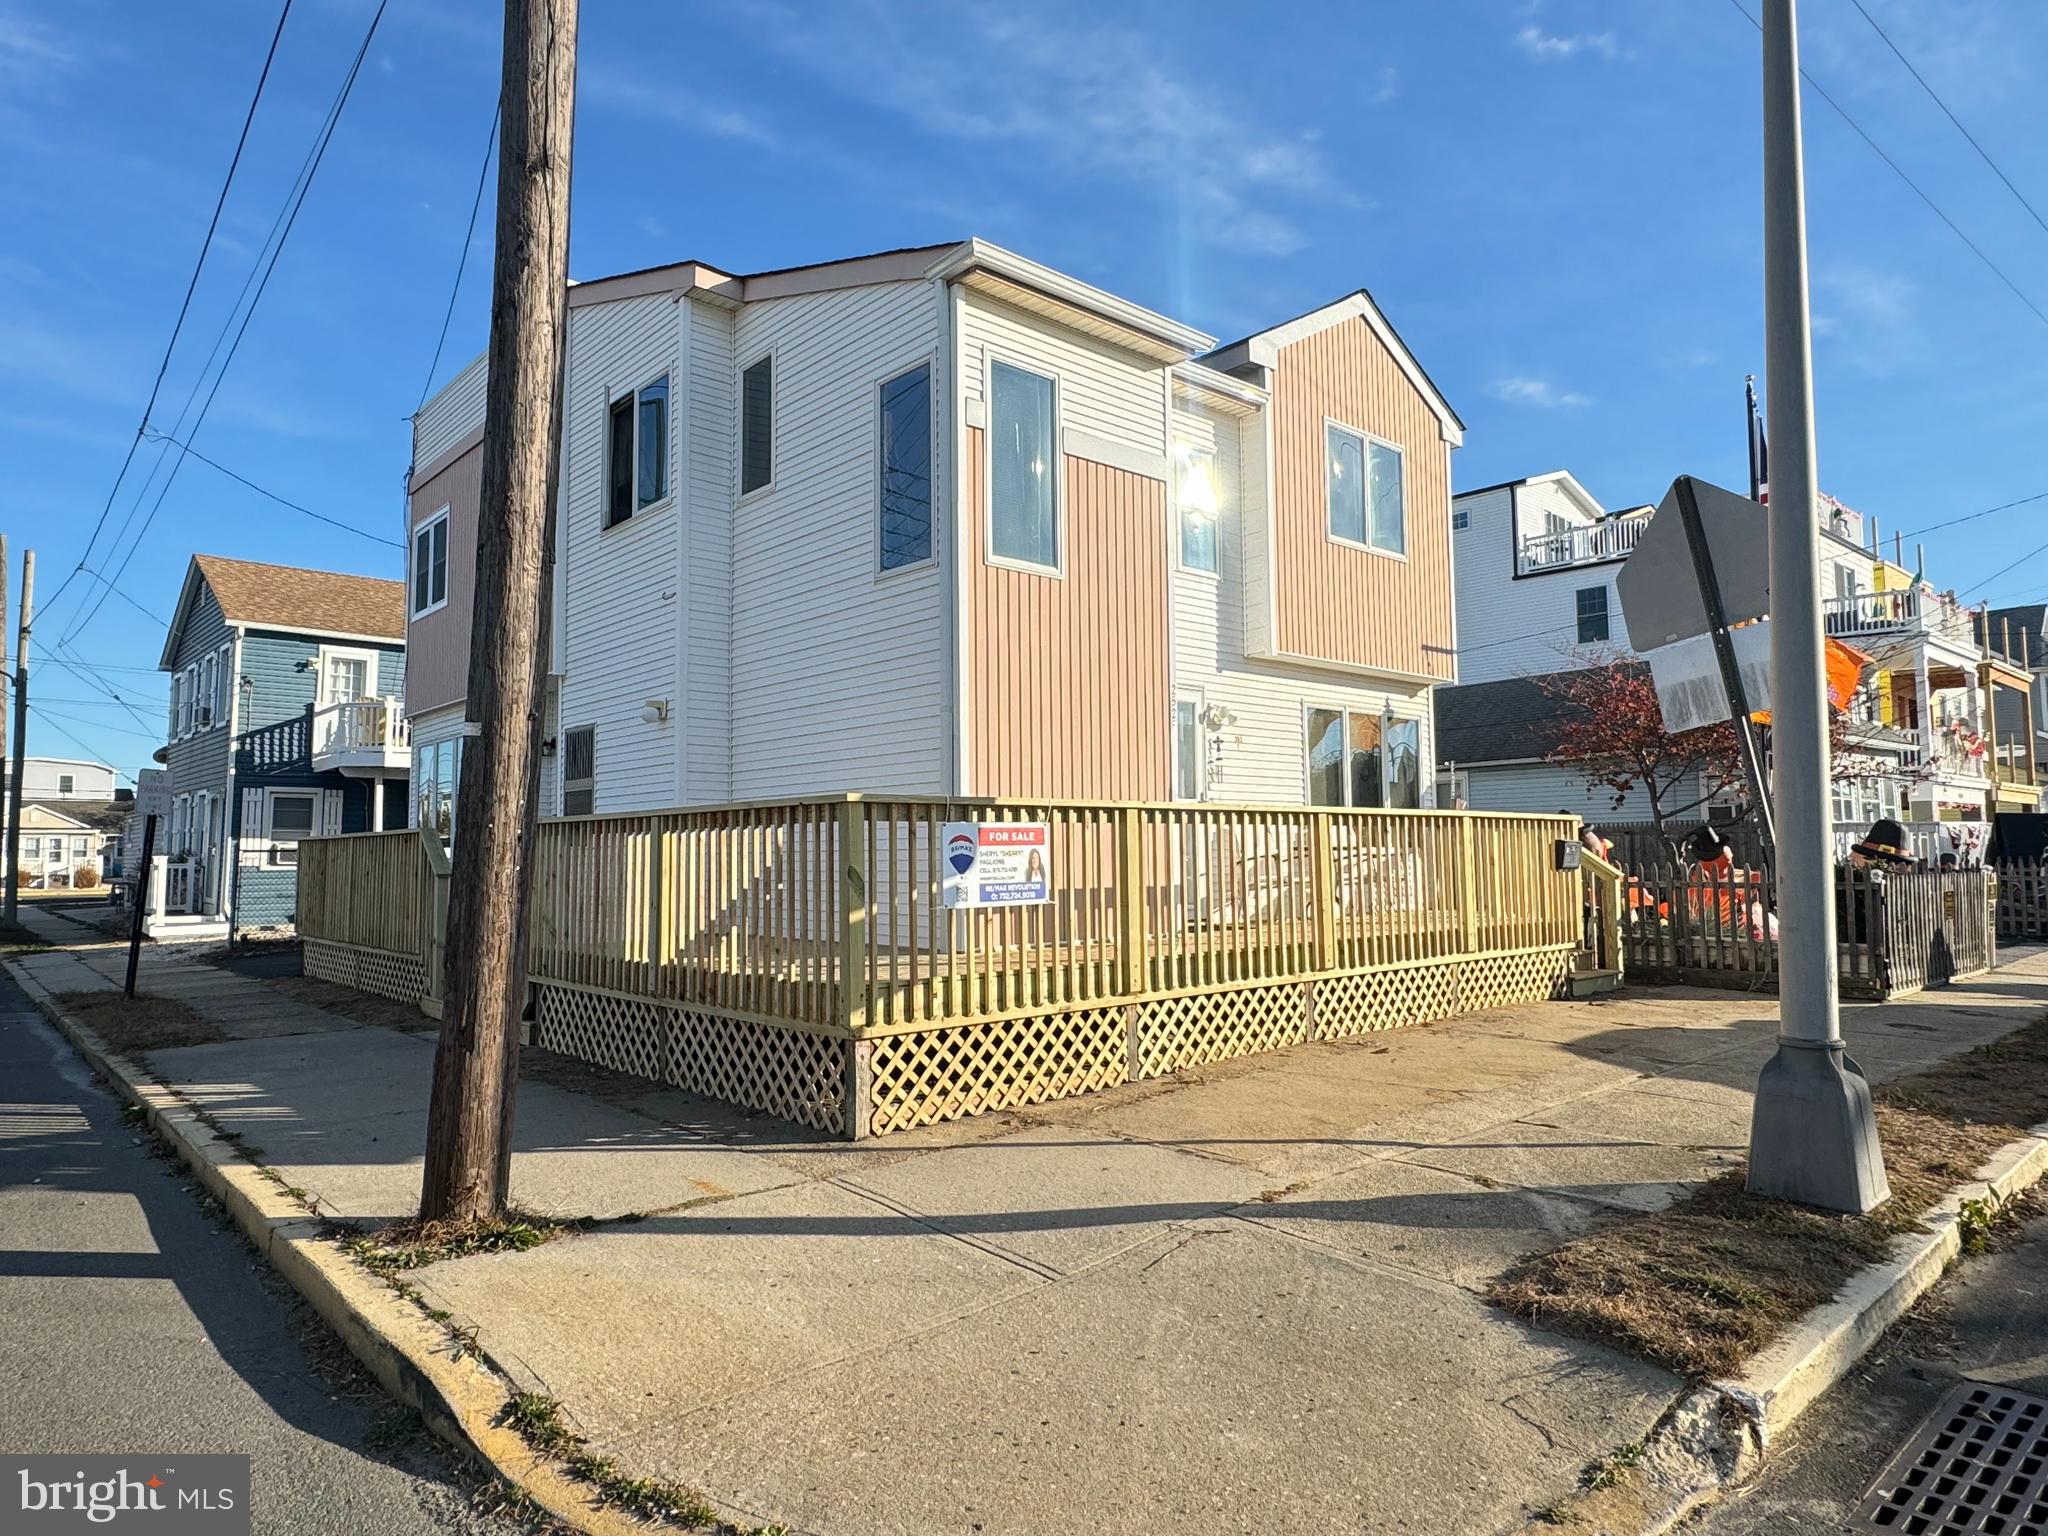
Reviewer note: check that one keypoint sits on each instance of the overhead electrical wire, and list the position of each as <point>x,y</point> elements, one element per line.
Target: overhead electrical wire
<point>462,259</point>
<point>282,501</point>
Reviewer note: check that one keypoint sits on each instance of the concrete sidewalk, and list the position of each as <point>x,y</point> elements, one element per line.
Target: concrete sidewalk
<point>1245,1298</point>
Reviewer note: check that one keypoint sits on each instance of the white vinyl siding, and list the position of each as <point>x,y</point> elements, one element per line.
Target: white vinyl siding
<point>1542,789</point>
<point>617,620</point>
<point>706,540</point>
<point>1104,390</point>
<point>455,411</point>
<point>840,675</point>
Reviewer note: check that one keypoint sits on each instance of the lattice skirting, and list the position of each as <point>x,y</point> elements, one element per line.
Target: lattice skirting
<point>928,1075</point>
<point>403,977</point>
<point>788,1072</point>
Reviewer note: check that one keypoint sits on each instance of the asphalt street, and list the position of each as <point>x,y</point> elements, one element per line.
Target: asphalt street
<point>134,1319</point>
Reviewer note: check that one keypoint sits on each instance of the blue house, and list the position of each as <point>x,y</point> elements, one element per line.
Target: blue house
<point>286,721</point>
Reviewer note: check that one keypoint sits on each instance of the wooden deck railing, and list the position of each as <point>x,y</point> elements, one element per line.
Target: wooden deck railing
<point>371,890</point>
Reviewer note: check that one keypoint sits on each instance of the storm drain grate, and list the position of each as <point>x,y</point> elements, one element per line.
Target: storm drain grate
<point>1976,1466</point>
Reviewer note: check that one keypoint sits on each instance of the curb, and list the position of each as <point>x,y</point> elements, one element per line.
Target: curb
<point>460,1399</point>
<point>1717,1435</point>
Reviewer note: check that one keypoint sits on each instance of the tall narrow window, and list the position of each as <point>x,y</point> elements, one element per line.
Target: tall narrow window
<point>1200,507</point>
<point>618,505</point>
<point>757,426</point>
<point>430,564</point>
<point>635,451</point>
<point>1024,521</point>
<point>1389,509</point>
<point>1404,763</point>
<point>202,717</point>
<point>1592,614</point>
<point>579,771</point>
<point>1346,474</point>
<point>904,495</point>
<point>1326,757</point>
<point>1368,767</point>
<point>1187,749</point>
<point>1363,482</point>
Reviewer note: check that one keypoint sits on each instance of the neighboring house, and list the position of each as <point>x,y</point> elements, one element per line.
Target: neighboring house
<point>945,521</point>
<point>285,721</point>
<point>64,848</point>
<point>2014,647</point>
<point>1536,562</point>
<point>66,778</point>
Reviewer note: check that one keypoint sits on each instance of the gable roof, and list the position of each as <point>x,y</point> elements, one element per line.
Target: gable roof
<point>289,597</point>
<point>1263,348</point>
<point>1509,720</point>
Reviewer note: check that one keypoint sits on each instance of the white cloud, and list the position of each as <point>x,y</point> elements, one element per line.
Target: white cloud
<point>1526,389</point>
<point>1080,98</point>
<point>668,102</point>
<point>1869,317</point>
<point>1386,86</point>
<point>1553,48</point>
<point>30,48</point>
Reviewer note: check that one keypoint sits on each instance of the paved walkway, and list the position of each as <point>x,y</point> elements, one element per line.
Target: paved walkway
<point>1243,1299</point>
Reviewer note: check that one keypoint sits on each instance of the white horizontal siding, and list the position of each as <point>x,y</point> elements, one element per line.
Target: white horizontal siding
<point>1511,626</point>
<point>710,485</point>
<point>621,584</point>
<point>1544,788</point>
<point>1102,389</point>
<point>840,676</point>
<point>455,411</point>
<point>1264,757</point>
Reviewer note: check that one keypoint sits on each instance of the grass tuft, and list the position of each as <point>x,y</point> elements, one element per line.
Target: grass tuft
<point>141,1023</point>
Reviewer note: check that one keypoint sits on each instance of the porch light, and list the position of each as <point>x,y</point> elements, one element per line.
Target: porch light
<point>655,712</point>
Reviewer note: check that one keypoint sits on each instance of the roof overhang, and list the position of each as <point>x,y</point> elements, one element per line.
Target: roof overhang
<point>1001,274</point>
<point>187,595</point>
<point>1218,391</point>
<point>1263,349</point>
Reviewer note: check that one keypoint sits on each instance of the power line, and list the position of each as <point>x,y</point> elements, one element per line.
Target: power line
<point>53,725</point>
<point>335,522</point>
<point>43,712</point>
<point>2023,559</point>
<point>184,308</point>
<point>116,591</point>
<point>91,675</point>
<point>1982,153</point>
<point>462,261</point>
<point>321,143</point>
<point>1897,170</point>
<point>1973,516</point>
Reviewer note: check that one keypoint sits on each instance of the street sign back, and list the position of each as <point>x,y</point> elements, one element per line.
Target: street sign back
<point>1660,593</point>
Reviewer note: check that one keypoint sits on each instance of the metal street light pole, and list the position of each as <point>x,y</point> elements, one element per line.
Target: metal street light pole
<point>1812,1135</point>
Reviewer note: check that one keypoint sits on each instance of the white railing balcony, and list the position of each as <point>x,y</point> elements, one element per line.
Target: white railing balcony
<point>362,736</point>
<point>1912,611</point>
<point>1585,544</point>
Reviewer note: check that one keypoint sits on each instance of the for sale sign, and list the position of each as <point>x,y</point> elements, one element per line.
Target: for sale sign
<point>997,863</point>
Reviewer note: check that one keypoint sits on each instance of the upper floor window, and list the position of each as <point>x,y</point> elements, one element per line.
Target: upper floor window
<point>1200,508</point>
<point>187,689</point>
<point>1592,603</point>
<point>346,675</point>
<point>209,688</point>
<point>636,452</point>
<point>225,684</point>
<point>67,784</point>
<point>430,564</point>
<point>904,453</point>
<point>757,426</point>
<point>1366,496</point>
<point>1023,495</point>
<point>1460,519</point>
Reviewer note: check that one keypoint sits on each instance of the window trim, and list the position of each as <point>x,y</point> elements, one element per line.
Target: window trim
<point>773,357</point>
<point>1386,714</point>
<point>273,845</point>
<point>1196,697</point>
<point>425,529</point>
<point>930,363</point>
<point>327,653</point>
<point>209,693</point>
<point>563,803</point>
<point>1579,614</point>
<point>1366,440</point>
<point>1180,548</point>
<point>225,683</point>
<point>67,785</point>
<point>606,522</point>
<point>1057,571</point>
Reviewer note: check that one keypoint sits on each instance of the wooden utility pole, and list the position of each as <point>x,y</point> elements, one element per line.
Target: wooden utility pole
<point>469,1122</point>
<point>6,857</point>
<point>13,861</point>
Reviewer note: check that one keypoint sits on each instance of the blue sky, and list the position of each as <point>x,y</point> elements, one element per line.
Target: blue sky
<point>1556,204</point>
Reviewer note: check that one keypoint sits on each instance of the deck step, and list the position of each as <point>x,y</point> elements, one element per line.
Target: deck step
<point>1594,982</point>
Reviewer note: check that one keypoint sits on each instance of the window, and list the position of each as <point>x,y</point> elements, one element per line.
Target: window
<point>184,690</point>
<point>1364,484</point>
<point>209,685</point>
<point>636,451</point>
<point>1461,519</point>
<point>904,494</point>
<point>32,850</point>
<point>290,818</point>
<point>67,784</point>
<point>1195,494</point>
<point>579,771</point>
<point>1187,749</point>
<point>438,771</point>
<point>430,564</point>
<point>1592,614</point>
<point>757,426</point>
<point>346,676</point>
<point>1024,511</point>
<point>226,676</point>
<point>1358,758</point>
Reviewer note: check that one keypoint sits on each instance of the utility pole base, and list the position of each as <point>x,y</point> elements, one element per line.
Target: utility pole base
<point>1812,1134</point>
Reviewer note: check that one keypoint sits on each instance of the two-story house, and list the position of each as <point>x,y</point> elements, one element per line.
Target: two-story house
<point>946,521</point>
<point>285,722</point>
<point>71,818</point>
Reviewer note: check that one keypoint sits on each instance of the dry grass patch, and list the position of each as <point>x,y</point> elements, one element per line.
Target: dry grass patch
<point>1701,1286</point>
<point>140,1023</point>
<point>359,1007</point>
